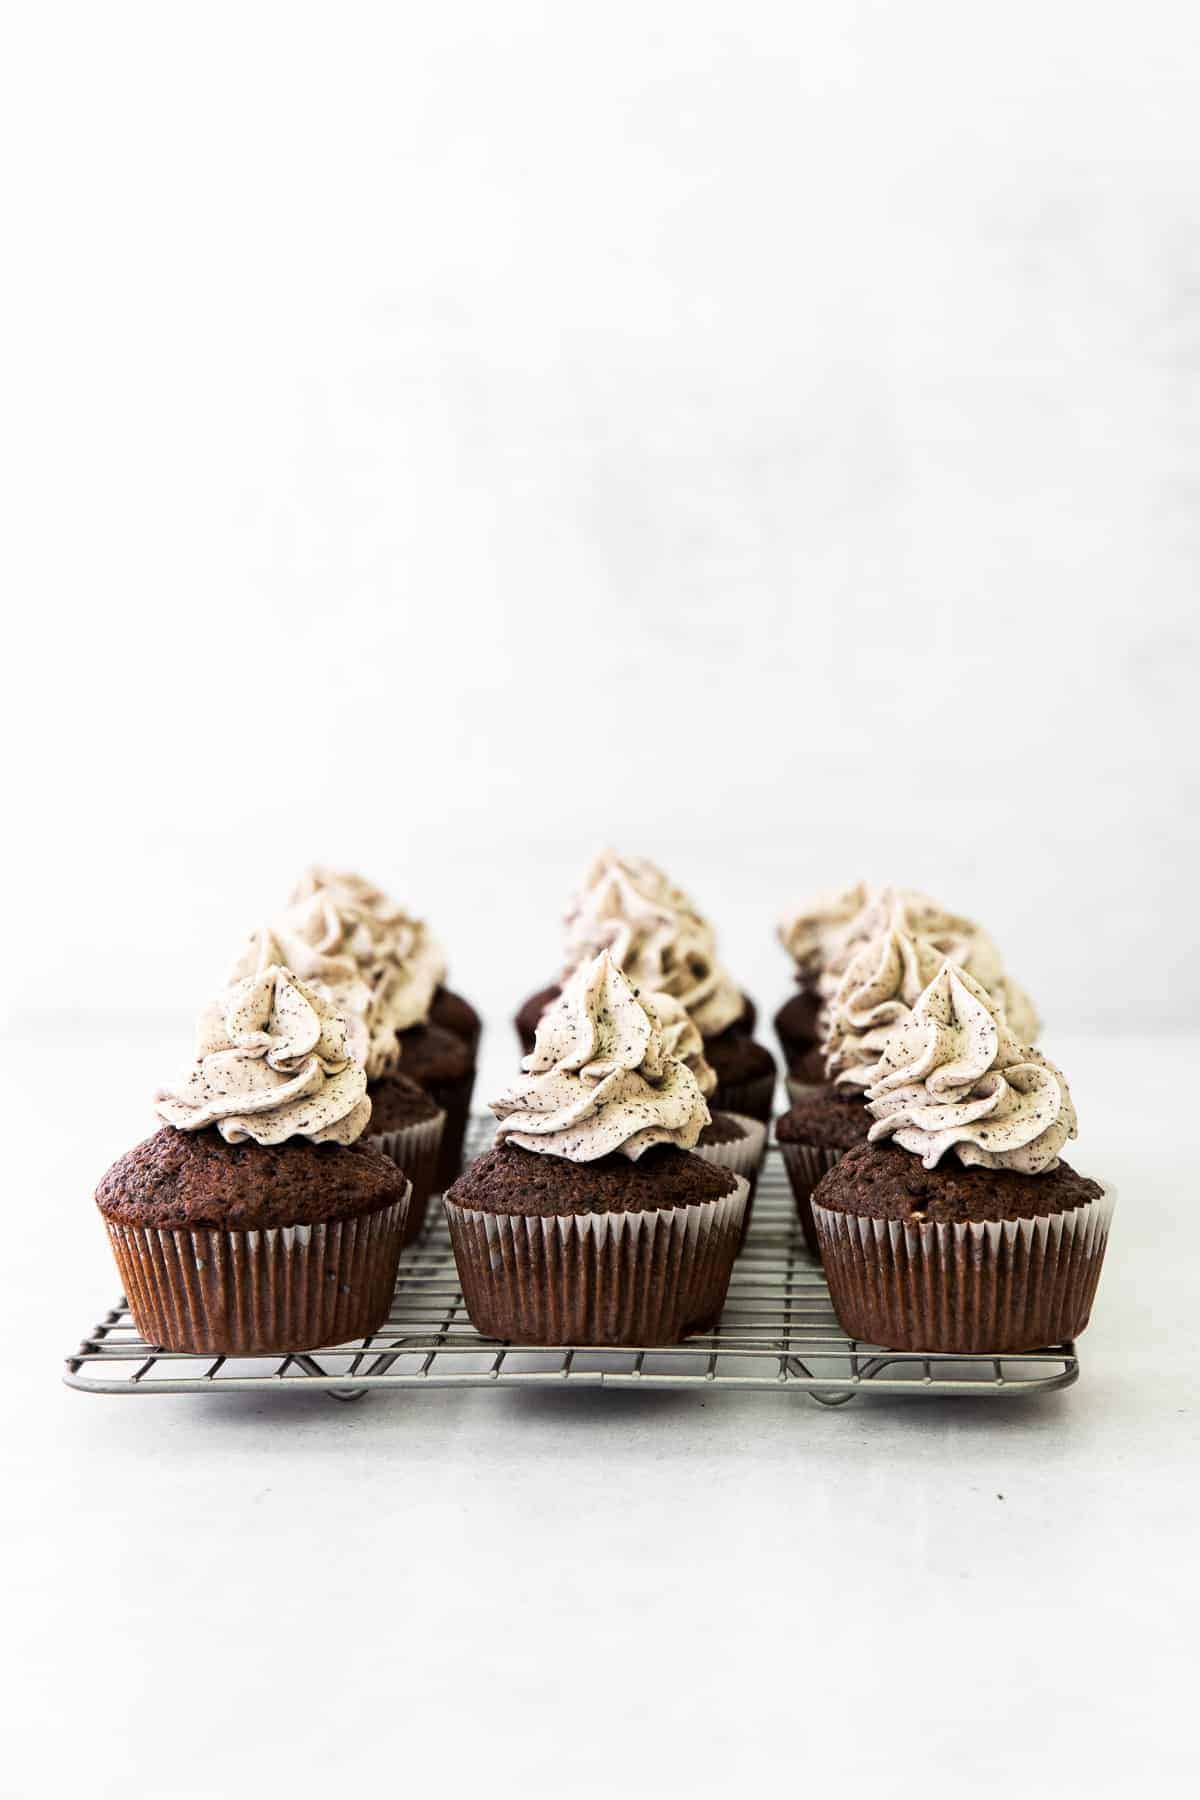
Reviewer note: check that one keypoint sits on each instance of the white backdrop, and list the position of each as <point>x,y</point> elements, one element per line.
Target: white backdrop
<point>448,437</point>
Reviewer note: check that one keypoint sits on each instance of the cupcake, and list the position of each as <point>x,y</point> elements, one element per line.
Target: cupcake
<point>590,1221</point>
<point>343,915</point>
<point>957,1228</point>
<point>730,1140</point>
<point>656,935</point>
<point>626,904</point>
<point>341,959</point>
<point>256,1219</point>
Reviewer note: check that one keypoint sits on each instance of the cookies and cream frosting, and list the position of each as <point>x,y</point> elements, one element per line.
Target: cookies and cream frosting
<point>953,1076</point>
<point>274,1060</point>
<point>883,982</point>
<point>343,933</point>
<point>682,1038</point>
<point>600,1077</point>
<point>824,936</point>
<point>655,934</point>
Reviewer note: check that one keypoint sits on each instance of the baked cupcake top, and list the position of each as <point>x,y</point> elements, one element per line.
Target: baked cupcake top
<point>274,1060</point>
<point>600,1078</point>
<point>953,1076</point>
<point>335,919</point>
<point>655,934</point>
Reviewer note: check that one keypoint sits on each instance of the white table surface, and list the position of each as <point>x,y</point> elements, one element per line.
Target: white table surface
<point>598,1592</point>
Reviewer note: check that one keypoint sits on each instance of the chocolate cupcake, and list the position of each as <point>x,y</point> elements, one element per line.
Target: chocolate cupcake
<point>590,1222</point>
<point>818,1129</point>
<point>332,948</point>
<point>341,915</point>
<point>745,1071</point>
<point>655,933</point>
<point>956,1228</point>
<point>256,1220</point>
<point>453,1013</point>
<point>885,977</point>
<point>442,1064</point>
<point>408,1126</point>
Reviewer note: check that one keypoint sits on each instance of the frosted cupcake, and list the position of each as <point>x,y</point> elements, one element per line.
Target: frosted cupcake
<point>341,959</point>
<point>343,915</point>
<point>957,1227</point>
<point>824,936</point>
<point>590,1221</point>
<point>656,935</point>
<point>256,1219</point>
<point>626,904</point>
<point>882,983</point>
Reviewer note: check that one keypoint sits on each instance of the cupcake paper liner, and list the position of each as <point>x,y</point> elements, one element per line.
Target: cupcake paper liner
<point>743,1157</point>
<point>615,1278</point>
<point>750,1099</point>
<point>414,1150</point>
<point>800,1090</point>
<point>994,1287</point>
<point>805,1165</point>
<point>235,1293</point>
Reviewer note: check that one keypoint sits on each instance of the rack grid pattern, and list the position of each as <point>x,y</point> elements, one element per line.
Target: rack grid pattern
<point>778,1333</point>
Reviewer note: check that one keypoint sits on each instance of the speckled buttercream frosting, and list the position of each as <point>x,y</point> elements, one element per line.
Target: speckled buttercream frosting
<point>682,1038</point>
<point>337,919</point>
<point>600,1078</point>
<point>952,1076</point>
<point>824,936</point>
<point>655,934</point>
<point>883,982</point>
<point>274,1060</point>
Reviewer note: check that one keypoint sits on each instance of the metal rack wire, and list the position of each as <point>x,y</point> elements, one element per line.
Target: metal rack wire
<point>777,1333</point>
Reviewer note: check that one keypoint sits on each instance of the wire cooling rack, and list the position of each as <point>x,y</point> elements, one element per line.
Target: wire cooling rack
<point>777,1333</point>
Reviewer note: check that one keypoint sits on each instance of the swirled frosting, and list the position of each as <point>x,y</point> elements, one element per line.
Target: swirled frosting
<point>274,1060</point>
<point>813,934</point>
<point>339,930</point>
<point>408,941</point>
<point>600,1078</point>
<point>682,1038</point>
<point>824,936</point>
<point>883,982</point>
<point>654,933</point>
<point>953,1076</point>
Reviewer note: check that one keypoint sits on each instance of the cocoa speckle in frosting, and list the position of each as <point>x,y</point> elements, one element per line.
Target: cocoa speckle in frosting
<point>600,1078</point>
<point>274,1060</point>
<point>952,1076</point>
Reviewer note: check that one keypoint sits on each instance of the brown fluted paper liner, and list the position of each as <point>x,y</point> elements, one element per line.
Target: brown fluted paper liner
<point>242,1293</point>
<point>634,1278</point>
<point>742,1157</point>
<point>968,1288</point>
<point>805,1165</point>
<point>414,1149</point>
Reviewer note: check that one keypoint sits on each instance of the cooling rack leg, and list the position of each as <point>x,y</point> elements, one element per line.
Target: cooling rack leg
<point>346,1393</point>
<point>835,1399</point>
